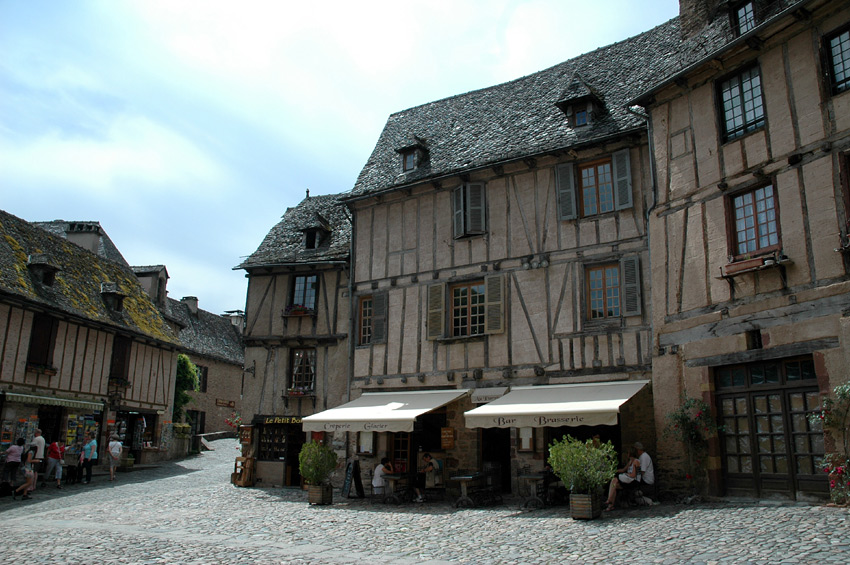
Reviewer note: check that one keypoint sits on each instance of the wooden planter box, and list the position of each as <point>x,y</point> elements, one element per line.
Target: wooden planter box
<point>743,266</point>
<point>322,494</point>
<point>585,506</point>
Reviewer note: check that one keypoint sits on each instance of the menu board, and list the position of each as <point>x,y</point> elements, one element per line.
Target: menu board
<point>447,438</point>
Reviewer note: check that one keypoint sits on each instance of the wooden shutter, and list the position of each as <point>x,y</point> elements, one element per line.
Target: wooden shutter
<point>566,192</point>
<point>475,208</point>
<point>458,205</point>
<point>630,269</point>
<point>494,299</point>
<point>622,180</point>
<point>379,318</point>
<point>436,311</point>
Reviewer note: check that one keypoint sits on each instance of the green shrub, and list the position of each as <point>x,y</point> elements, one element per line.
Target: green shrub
<point>316,462</point>
<point>584,467</point>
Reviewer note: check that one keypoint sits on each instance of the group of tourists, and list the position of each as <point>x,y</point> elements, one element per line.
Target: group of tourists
<point>40,459</point>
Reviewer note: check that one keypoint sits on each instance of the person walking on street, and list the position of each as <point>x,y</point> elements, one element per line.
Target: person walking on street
<point>89,456</point>
<point>55,459</point>
<point>27,462</point>
<point>115,448</point>
<point>38,442</point>
<point>13,461</point>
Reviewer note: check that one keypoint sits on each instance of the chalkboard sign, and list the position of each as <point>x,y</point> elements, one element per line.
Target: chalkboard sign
<point>352,472</point>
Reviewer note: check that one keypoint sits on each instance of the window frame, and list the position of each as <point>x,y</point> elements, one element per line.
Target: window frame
<point>732,224</point>
<point>468,307</point>
<point>735,14</point>
<point>298,297</point>
<point>408,161</point>
<point>469,209</point>
<point>595,165</point>
<point>833,87</point>
<point>438,311</point>
<point>293,380</point>
<point>629,279</point>
<point>748,125</point>
<point>603,267</point>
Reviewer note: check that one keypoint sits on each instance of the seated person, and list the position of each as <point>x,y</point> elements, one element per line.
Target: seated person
<point>379,483</point>
<point>647,470</point>
<point>626,475</point>
<point>427,474</point>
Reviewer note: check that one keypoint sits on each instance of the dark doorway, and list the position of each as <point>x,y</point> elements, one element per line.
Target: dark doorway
<point>496,455</point>
<point>50,422</point>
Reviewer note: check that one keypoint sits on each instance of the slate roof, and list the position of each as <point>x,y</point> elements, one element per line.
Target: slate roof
<point>106,247</point>
<point>206,333</point>
<point>284,244</point>
<point>713,39</point>
<point>76,290</point>
<point>520,118</point>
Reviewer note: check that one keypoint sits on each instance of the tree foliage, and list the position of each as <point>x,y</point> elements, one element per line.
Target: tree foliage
<point>583,465</point>
<point>186,382</point>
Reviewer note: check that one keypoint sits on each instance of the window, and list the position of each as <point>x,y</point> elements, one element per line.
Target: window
<point>303,375</point>
<point>366,442</point>
<point>597,188</point>
<point>408,161</point>
<point>744,17</point>
<point>42,340</point>
<point>373,319</point>
<point>838,53</point>
<point>605,185</point>
<point>202,378</point>
<point>741,102</point>
<point>613,289</point>
<point>120,365</point>
<point>580,118</point>
<point>468,209</point>
<point>313,238</point>
<point>304,291</point>
<point>756,227</point>
<point>475,308</point>
<point>526,439</point>
<point>467,314</point>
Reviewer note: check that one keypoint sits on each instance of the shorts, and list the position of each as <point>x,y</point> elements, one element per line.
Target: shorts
<point>625,479</point>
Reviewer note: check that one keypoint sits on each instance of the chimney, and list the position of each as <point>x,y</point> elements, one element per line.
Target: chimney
<point>84,234</point>
<point>192,303</point>
<point>694,15</point>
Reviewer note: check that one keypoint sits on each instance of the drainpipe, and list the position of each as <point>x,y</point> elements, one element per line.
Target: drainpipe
<point>351,323</point>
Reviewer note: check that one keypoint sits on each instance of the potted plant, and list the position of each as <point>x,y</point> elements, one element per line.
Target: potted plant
<point>316,462</point>
<point>586,468</point>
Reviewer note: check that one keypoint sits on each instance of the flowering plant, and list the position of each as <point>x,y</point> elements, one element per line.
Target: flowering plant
<point>693,425</point>
<point>297,310</point>
<point>834,416</point>
<point>234,421</point>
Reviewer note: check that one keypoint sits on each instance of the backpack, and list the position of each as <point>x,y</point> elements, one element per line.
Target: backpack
<point>115,449</point>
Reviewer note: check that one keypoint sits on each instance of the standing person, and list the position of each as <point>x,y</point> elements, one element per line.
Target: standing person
<point>27,462</point>
<point>115,448</point>
<point>379,483</point>
<point>55,459</point>
<point>38,442</point>
<point>13,461</point>
<point>430,466</point>
<point>89,456</point>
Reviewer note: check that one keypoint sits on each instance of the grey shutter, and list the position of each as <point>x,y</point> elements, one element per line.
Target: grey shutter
<point>622,180</point>
<point>379,318</point>
<point>494,299</point>
<point>475,208</point>
<point>436,311</point>
<point>458,205</point>
<point>566,192</point>
<point>630,269</point>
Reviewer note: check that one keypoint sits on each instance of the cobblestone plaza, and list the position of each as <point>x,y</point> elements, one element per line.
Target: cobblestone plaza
<point>188,512</point>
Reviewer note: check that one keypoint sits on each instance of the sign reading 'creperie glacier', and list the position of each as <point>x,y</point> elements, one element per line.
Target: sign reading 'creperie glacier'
<point>351,426</point>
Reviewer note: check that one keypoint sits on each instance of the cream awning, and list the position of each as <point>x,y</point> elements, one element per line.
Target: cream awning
<point>381,411</point>
<point>585,404</point>
<point>53,401</point>
<point>484,395</point>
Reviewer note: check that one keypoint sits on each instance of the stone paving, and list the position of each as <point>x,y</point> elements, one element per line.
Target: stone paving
<point>188,512</point>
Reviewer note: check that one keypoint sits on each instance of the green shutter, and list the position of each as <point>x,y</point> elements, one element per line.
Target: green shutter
<point>566,192</point>
<point>630,269</point>
<point>622,180</point>
<point>494,297</point>
<point>436,311</point>
<point>379,318</point>
<point>475,208</point>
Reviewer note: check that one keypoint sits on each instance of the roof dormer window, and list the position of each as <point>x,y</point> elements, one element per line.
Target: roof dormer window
<point>313,238</point>
<point>414,153</point>
<point>43,271</point>
<point>112,296</point>
<point>580,102</point>
<point>744,17</point>
<point>408,160</point>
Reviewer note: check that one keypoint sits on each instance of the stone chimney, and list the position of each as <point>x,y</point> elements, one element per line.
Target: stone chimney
<point>192,303</point>
<point>694,15</point>
<point>84,234</point>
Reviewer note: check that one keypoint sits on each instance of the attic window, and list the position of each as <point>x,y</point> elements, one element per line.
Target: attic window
<point>313,238</point>
<point>744,17</point>
<point>41,269</point>
<point>408,160</point>
<point>580,118</point>
<point>112,296</point>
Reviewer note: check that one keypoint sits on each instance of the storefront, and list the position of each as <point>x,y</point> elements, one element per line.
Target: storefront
<point>137,431</point>
<point>276,443</point>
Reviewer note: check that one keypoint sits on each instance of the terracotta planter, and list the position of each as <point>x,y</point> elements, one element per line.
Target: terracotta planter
<point>585,506</point>
<point>321,494</point>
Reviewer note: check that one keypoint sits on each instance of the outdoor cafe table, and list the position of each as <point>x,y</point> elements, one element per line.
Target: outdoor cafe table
<point>464,481</point>
<point>391,493</point>
<point>533,500</point>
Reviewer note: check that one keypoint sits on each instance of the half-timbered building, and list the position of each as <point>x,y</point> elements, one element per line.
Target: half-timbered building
<point>748,237</point>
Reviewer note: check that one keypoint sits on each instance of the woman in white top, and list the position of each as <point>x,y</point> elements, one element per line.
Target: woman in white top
<point>378,481</point>
<point>115,448</point>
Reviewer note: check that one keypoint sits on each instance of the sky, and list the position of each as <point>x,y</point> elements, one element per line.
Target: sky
<point>188,127</point>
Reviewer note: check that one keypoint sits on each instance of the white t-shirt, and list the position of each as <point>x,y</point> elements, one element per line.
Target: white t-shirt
<point>115,449</point>
<point>38,442</point>
<point>646,468</point>
<point>378,477</point>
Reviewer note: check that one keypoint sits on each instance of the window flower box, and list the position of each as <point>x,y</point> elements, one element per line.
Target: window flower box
<point>300,391</point>
<point>298,310</point>
<point>120,382</point>
<point>743,266</point>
